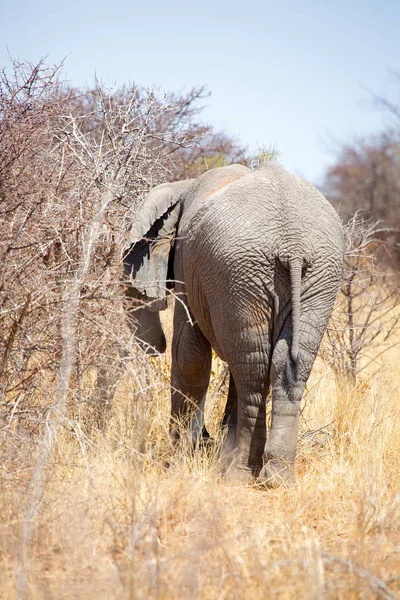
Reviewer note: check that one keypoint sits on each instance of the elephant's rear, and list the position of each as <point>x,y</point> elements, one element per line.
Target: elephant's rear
<point>267,249</point>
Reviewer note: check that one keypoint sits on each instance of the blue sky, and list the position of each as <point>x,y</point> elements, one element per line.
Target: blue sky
<point>291,73</point>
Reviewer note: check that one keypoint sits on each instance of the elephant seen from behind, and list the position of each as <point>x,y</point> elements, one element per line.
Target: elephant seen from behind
<point>254,258</point>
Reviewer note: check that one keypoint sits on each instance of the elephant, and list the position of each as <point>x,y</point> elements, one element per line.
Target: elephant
<point>254,259</point>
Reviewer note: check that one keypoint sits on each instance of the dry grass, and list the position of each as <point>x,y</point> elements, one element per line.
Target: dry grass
<point>115,523</point>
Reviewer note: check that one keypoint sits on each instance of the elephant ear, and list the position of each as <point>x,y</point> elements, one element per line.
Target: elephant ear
<point>146,256</point>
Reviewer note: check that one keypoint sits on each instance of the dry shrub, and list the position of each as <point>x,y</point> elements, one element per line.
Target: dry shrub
<point>74,167</point>
<point>365,322</point>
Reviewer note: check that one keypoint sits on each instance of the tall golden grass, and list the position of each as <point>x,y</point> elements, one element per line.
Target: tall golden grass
<point>113,522</point>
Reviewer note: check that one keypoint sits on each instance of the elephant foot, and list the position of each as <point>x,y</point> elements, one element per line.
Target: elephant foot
<point>277,473</point>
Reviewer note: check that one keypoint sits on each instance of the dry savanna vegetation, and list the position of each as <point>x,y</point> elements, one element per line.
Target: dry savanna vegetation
<point>95,502</point>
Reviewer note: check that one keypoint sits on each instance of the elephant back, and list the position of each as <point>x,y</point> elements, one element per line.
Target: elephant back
<point>205,191</point>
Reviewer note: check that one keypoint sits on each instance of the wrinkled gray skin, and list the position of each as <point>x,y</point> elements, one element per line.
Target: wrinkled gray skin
<point>256,257</point>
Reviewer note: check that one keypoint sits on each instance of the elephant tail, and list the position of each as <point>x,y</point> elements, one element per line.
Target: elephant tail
<point>296,265</point>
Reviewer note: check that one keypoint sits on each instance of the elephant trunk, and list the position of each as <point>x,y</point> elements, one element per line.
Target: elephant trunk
<point>296,265</point>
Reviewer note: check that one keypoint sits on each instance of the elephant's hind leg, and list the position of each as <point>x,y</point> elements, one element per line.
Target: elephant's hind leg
<point>288,382</point>
<point>287,390</point>
<point>191,367</point>
<point>251,382</point>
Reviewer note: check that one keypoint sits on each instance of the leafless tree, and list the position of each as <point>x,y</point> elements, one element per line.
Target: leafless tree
<point>367,315</point>
<point>74,166</point>
<point>366,176</point>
